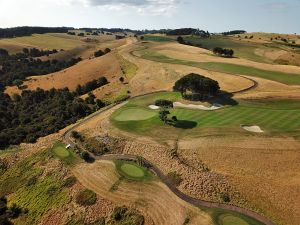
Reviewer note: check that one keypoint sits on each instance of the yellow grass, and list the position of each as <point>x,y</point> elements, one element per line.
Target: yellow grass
<point>153,198</point>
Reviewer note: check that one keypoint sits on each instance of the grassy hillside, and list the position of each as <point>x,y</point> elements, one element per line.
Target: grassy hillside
<point>286,78</point>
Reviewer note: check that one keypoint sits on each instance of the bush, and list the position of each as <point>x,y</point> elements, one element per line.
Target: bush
<point>70,181</point>
<point>86,197</point>
<point>175,178</point>
<point>164,103</point>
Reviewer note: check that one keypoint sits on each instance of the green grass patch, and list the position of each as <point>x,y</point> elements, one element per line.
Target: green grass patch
<point>226,217</point>
<point>132,171</point>
<point>157,38</point>
<point>286,78</point>
<point>128,68</point>
<point>66,155</point>
<point>273,116</point>
<point>134,114</point>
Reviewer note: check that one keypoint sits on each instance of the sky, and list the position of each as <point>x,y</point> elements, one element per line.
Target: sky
<point>277,16</point>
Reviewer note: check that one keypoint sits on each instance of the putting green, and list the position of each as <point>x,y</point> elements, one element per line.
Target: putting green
<point>132,170</point>
<point>134,114</point>
<point>232,220</point>
<point>61,151</point>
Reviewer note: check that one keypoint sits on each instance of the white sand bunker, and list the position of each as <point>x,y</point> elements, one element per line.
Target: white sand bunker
<point>255,129</point>
<point>153,107</point>
<point>215,106</point>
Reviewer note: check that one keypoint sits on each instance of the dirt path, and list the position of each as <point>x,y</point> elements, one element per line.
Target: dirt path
<point>163,178</point>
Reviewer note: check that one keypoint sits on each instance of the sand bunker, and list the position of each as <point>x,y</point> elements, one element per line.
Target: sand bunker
<point>153,107</point>
<point>255,129</point>
<point>200,107</point>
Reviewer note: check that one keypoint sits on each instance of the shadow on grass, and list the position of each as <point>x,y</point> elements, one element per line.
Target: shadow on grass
<point>185,124</point>
<point>224,98</point>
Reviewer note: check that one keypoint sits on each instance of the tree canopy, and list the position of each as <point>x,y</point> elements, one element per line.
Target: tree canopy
<point>196,87</point>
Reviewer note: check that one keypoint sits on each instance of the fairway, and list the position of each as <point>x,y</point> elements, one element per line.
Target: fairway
<point>280,116</point>
<point>285,78</point>
<point>134,114</point>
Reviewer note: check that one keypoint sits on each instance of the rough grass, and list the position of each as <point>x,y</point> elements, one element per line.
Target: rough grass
<point>128,68</point>
<point>157,38</point>
<point>132,171</point>
<point>280,116</point>
<point>241,49</point>
<point>45,41</point>
<point>26,187</point>
<point>286,78</point>
<point>66,155</point>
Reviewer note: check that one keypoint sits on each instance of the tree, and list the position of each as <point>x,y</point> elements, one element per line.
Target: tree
<point>18,83</point>
<point>180,40</point>
<point>122,79</point>
<point>98,53</point>
<point>196,87</point>
<point>142,38</point>
<point>107,50</point>
<point>163,115</point>
<point>164,103</point>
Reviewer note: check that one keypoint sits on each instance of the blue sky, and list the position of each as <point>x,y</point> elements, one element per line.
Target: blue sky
<point>212,15</point>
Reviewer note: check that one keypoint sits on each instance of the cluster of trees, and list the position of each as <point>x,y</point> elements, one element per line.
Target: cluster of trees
<point>20,65</point>
<point>233,32</point>
<point>196,87</point>
<point>164,103</point>
<point>71,33</point>
<point>38,113</point>
<point>189,31</point>
<point>101,53</point>
<point>27,31</point>
<point>90,86</point>
<point>180,40</point>
<point>9,213</point>
<point>34,52</point>
<point>118,37</point>
<point>223,52</point>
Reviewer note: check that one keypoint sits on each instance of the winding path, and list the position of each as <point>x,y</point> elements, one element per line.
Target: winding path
<point>159,173</point>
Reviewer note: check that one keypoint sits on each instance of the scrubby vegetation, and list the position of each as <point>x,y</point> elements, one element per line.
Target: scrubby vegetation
<point>223,52</point>
<point>7,213</point>
<point>86,197</point>
<point>175,178</point>
<point>91,85</point>
<point>122,216</point>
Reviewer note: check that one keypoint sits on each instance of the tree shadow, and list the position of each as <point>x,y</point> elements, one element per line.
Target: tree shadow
<point>223,98</point>
<point>185,124</point>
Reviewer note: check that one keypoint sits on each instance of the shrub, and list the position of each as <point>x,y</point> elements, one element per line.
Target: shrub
<point>70,181</point>
<point>86,197</point>
<point>164,103</point>
<point>175,178</point>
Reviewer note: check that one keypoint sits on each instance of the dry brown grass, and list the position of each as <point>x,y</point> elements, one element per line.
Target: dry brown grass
<point>178,51</point>
<point>153,198</point>
<point>265,170</point>
<point>80,73</point>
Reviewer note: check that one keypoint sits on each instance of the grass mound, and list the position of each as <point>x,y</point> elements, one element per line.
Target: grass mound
<point>86,197</point>
<point>134,114</point>
<point>132,171</point>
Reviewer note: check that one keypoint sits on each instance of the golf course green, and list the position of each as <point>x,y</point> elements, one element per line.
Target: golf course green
<point>132,171</point>
<point>270,115</point>
<point>66,155</point>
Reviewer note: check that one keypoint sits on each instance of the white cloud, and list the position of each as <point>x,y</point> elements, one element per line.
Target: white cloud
<point>144,7</point>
